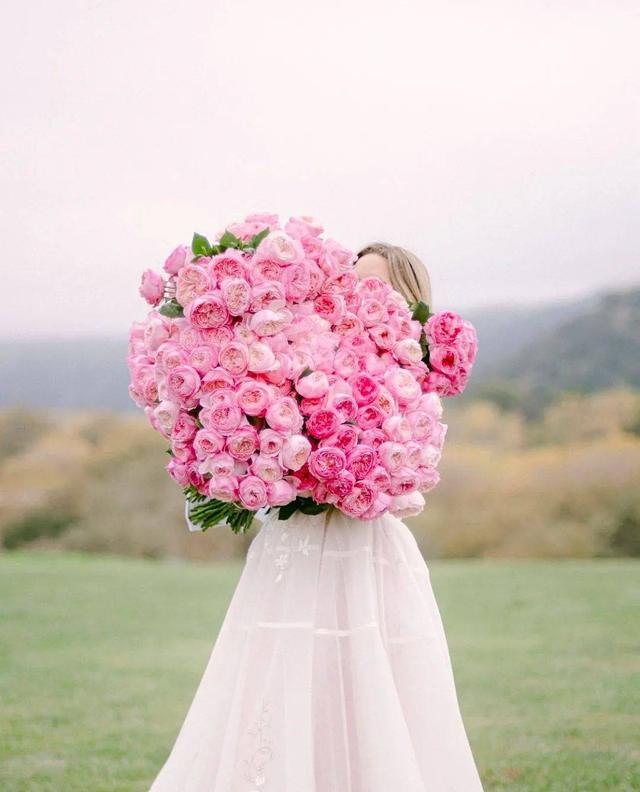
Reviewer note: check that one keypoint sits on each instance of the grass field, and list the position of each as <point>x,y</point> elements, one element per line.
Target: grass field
<point>99,658</point>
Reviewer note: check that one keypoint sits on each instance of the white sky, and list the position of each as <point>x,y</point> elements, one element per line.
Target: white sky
<point>497,138</point>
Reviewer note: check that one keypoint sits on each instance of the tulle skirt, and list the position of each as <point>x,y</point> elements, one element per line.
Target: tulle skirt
<point>331,672</point>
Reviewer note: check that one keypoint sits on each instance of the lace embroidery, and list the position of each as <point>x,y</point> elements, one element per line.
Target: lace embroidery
<point>285,548</point>
<point>261,752</point>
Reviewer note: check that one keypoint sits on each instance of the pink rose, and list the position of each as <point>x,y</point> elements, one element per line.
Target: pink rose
<point>268,322</point>
<point>282,491</point>
<point>323,422</point>
<point>428,478</point>
<point>345,405</point>
<point>467,342</point>
<point>270,442</point>
<point>297,281</point>
<point>365,388</point>
<point>267,468</point>
<point>152,287</point>
<point>229,264</point>
<point>183,383</point>
<point>372,312</point>
<point>178,471</point>
<point>184,428</point>
<point>224,418</point>
<point>165,414</point>
<point>373,437</point>
<point>203,358</point>
<point>346,362</point>
<point>334,258</point>
<point>242,443</point>
<point>207,443</point>
<point>341,484</point>
<point>223,488</point>
<point>346,438</point>
<point>234,358</point>
<point>177,259</point>
<point>408,505</point>
<point>402,385</point>
<point>361,461</point>
<point>444,359</point>
<point>348,324</point>
<point>193,281</point>
<point>392,456</point>
<point>380,478</point>
<point>295,452</point>
<point>236,293</point>
<point>443,327</point>
<point>284,416</point>
<point>383,336</point>
<point>422,424</point>
<point>327,462</point>
<point>408,351</point>
<point>329,306</point>
<point>403,481</point>
<point>261,358</point>
<point>358,500</point>
<point>207,311</point>
<point>313,386</point>
<point>157,330</point>
<point>253,493</point>
<point>370,417</point>
<point>253,397</point>
<point>380,505</point>
<point>397,428</point>
<point>269,294</point>
<point>278,246</point>
<point>216,379</point>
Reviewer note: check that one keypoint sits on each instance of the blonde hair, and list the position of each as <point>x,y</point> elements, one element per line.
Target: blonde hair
<point>407,274</point>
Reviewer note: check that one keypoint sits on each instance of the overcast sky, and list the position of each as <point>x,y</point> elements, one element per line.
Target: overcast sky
<point>498,139</point>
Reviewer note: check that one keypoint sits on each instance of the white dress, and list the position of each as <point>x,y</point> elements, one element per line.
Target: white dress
<point>331,672</point>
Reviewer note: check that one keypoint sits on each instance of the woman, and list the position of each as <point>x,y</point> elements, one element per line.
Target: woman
<point>331,672</point>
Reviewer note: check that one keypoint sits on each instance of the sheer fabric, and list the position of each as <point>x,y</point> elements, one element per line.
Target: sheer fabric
<point>331,672</point>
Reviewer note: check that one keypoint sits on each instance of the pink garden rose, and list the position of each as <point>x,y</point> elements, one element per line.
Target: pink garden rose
<point>152,287</point>
<point>193,281</point>
<point>206,311</point>
<point>313,386</point>
<point>253,492</point>
<point>323,422</point>
<point>183,383</point>
<point>177,259</point>
<point>327,462</point>
<point>443,327</point>
<point>283,415</point>
<point>295,451</point>
<point>243,443</point>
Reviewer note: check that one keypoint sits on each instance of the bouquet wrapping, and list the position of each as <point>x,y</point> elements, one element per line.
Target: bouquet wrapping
<point>281,380</point>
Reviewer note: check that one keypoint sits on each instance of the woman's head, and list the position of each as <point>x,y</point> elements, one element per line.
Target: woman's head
<point>399,267</point>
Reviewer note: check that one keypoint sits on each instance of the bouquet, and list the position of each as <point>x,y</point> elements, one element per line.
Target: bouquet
<point>282,381</point>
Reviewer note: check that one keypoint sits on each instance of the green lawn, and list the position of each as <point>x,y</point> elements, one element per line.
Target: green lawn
<point>99,658</point>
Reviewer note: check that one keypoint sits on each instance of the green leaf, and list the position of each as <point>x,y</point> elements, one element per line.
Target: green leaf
<point>288,509</point>
<point>200,245</point>
<point>229,240</point>
<point>257,239</point>
<point>171,309</point>
<point>192,494</point>
<point>421,311</point>
<point>169,451</point>
<point>306,373</point>
<point>311,507</point>
<point>255,420</point>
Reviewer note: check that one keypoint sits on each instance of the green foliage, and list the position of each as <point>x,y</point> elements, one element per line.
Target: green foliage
<point>33,526</point>
<point>171,309</point>
<point>229,240</point>
<point>257,239</point>
<point>201,245</point>
<point>304,505</point>
<point>209,512</point>
<point>420,311</point>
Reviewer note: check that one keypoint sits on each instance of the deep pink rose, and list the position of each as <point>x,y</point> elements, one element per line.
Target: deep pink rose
<point>365,388</point>
<point>345,438</point>
<point>370,417</point>
<point>178,471</point>
<point>152,287</point>
<point>329,306</point>
<point>323,422</point>
<point>341,484</point>
<point>443,327</point>
<point>253,492</point>
<point>361,461</point>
